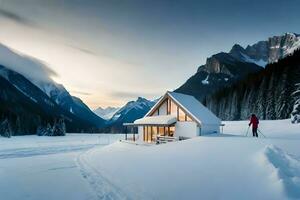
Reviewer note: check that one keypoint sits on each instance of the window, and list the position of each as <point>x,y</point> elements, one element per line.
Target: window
<point>171,131</point>
<point>161,131</point>
<point>173,108</point>
<point>181,115</point>
<point>155,113</point>
<point>154,130</point>
<point>148,134</point>
<point>188,119</point>
<point>169,106</point>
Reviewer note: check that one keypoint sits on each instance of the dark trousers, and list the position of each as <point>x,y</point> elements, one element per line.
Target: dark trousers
<point>254,131</point>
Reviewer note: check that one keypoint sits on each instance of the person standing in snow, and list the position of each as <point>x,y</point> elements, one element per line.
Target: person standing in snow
<point>254,121</point>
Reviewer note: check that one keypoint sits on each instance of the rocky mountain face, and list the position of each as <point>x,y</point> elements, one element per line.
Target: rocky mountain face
<point>221,70</point>
<point>224,69</point>
<point>106,113</point>
<point>270,93</point>
<point>269,51</point>
<point>129,113</point>
<point>25,107</point>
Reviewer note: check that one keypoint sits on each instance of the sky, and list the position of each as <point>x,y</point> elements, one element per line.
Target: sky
<point>109,52</point>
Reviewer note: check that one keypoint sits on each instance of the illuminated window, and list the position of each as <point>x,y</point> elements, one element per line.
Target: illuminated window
<point>188,118</point>
<point>148,138</point>
<point>154,133</point>
<point>181,115</point>
<point>171,131</point>
<point>168,106</point>
<point>173,108</point>
<point>161,131</point>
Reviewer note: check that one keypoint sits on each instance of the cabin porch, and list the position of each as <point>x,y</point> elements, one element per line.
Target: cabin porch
<point>151,133</point>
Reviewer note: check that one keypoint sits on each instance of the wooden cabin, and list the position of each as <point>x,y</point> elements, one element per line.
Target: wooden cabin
<point>176,115</point>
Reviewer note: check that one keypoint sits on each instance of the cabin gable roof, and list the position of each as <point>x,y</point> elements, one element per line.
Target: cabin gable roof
<point>191,106</point>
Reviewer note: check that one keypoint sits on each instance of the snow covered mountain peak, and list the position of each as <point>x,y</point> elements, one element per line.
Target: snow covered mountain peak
<point>142,100</point>
<point>267,51</point>
<point>106,113</point>
<point>131,111</point>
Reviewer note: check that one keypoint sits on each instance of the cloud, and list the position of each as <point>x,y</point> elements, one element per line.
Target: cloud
<point>83,50</point>
<point>81,93</point>
<point>30,67</point>
<point>16,18</point>
<point>133,95</point>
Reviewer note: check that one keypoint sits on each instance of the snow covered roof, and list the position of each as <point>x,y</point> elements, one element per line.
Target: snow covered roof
<point>195,108</point>
<point>192,106</point>
<point>157,120</point>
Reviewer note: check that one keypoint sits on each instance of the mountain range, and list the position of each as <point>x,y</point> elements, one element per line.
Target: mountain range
<point>224,69</point>
<point>22,101</point>
<point>261,78</point>
<point>51,100</point>
<point>223,81</point>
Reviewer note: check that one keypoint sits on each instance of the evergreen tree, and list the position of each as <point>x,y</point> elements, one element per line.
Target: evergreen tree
<point>296,110</point>
<point>18,126</point>
<point>59,128</point>
<point>267,93</point>
<point>5,128</point>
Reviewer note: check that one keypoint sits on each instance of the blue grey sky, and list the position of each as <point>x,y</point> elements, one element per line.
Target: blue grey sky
<point>109,52</point>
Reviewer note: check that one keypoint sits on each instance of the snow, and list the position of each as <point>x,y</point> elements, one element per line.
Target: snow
<point>156,120</point>
<point>285,168</point>
<point>295,45</point>
<point>275,47</point>
<point>259,62</point>
<point>220,166</point>
<point>205,81</point>
<point>195,108</point>
<point>35,168</point>
<point>228,166</point>
<point>106,113</point>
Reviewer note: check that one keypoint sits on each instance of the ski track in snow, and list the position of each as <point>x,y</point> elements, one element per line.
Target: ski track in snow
<point>286,169</point>
<point>36,151</point>
<point>103,188</point>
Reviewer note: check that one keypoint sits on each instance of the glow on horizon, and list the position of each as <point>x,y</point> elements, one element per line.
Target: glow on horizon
<point>93,84</point>
<point>110,52</point>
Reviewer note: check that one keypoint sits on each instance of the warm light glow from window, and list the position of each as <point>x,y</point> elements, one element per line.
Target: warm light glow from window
<point>188,119</point>
<point>169,106</point>
<point>181,116</point>
<point>154,133</point>
<point>161,131</point>
<point>172,131</point>
<point>173,108</point>
<point>148,133</point>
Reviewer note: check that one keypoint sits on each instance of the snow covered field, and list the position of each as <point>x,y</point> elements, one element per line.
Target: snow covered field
<point>229,166</point>
<point>36,168</point>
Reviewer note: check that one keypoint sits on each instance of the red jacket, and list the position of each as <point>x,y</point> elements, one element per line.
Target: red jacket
<point>254,121</point>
